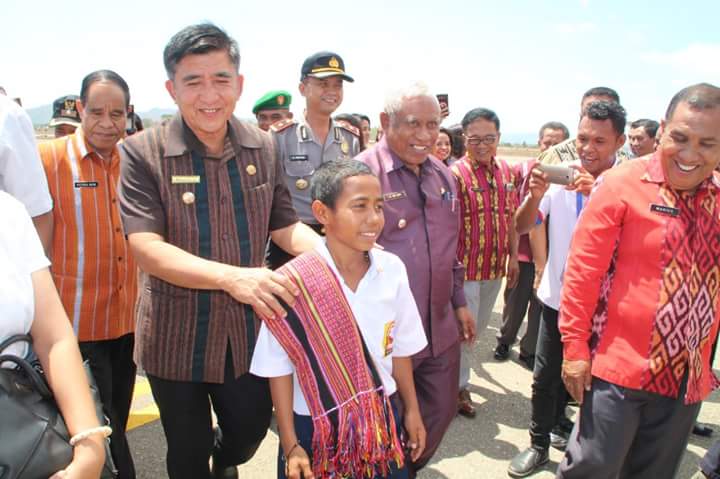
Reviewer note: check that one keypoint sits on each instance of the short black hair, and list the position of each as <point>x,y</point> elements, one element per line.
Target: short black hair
<point>480,113</point>
<point>363,117</point>
<point>327,184</point>
<point>197,40</point>
<point>607,110</point>
<point>103,75</point>
<point>650,126</point>
<point>554,125</point>
<point>602,91</point>
<point>702,96</point>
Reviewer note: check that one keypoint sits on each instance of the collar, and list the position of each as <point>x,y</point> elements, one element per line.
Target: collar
<point>86,149</point>
<point>305,132</point>
<point>654,174</point>
<point>479,166</point>
<point>373,270</point>
<point>180,138</point>
<point>391,162</point>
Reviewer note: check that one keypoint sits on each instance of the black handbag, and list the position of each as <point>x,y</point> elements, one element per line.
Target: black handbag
<point>34,441</point>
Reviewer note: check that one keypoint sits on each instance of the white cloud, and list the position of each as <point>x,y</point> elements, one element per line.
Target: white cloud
<point>575,28</point>
<point>697,58</point>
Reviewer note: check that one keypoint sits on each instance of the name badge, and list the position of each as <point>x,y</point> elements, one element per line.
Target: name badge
<point>184,179</point>
<point>394,195</point>
<point>298,157</point>
<point>664,210</point>
<point>86,184</point>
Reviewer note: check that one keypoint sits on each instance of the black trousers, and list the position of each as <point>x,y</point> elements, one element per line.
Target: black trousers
<point>112,365</point>
<point>243,408</point>
<point>517,300</point>
<point>627,433</point>
<point>549,397</point>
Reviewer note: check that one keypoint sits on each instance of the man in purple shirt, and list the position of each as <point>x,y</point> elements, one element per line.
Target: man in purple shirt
<point>421,227</point>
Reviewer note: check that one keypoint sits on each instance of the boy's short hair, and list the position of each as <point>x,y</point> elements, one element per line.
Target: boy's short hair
<point>326,184</point>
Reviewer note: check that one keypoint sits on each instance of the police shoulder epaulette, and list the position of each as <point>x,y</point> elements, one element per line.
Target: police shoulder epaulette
<point>347,126</point>
<point>282,125</point>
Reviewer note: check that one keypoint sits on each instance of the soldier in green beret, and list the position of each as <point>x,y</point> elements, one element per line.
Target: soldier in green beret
<point>272,107</point>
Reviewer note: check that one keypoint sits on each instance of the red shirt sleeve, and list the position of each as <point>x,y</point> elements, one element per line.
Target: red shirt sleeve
<point>591,250</point>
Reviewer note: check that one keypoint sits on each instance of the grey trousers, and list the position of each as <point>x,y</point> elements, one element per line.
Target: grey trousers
<point>629,434</point>
<point>481,296</point>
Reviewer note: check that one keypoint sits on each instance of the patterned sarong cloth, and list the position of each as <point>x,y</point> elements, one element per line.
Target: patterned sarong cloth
<point>354,427</point>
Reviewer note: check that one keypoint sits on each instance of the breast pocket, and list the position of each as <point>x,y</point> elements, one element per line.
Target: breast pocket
<point>299,167</point>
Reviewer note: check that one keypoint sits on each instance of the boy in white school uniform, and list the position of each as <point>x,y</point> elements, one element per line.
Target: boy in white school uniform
<point>345,346</point>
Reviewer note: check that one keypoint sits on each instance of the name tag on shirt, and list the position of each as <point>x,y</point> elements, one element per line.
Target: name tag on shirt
<point>184,179</point>
<point>664,210</point>
<point>394,195</point>
<point>298,157</point>
<point>86,184</point>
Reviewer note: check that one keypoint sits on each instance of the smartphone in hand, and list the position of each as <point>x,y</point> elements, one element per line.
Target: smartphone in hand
<point>558,174</point>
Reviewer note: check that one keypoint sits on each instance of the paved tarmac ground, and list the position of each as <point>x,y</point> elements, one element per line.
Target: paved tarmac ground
<point>479,448</point>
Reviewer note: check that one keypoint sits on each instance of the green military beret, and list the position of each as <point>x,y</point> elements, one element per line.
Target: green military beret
<point>273,100</point>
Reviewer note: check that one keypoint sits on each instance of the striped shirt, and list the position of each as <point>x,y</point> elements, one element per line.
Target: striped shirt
<point>488,199</point>
<point>220,209</point>
<point>91,264</point>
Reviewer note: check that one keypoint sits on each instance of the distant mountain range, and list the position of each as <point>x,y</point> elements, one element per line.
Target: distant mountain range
<point>40,115</point>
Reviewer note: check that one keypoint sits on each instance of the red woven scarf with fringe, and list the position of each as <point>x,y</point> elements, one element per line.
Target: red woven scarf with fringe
<point>354,428</point>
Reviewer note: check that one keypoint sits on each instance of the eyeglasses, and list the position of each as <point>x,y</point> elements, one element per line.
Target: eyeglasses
<point>475,140</point>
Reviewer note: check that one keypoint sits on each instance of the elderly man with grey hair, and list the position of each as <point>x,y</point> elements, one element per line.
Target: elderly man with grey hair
<point>421,227</point>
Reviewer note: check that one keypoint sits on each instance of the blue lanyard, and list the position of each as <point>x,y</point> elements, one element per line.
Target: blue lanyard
<point>578,203</point>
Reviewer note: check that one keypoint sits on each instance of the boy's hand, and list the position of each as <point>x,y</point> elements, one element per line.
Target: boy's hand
<point>297,465</point>
<point>416,432</point>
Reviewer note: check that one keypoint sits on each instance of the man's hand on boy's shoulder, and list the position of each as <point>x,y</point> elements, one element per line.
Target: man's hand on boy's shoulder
<point>260,288</point>
<point>416,433</point>
<point>467,324</point>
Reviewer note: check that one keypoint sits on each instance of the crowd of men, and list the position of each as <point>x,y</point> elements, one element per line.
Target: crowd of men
<point>163,245</point>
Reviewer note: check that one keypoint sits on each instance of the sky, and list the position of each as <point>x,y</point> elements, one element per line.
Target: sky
<point>528,60</point>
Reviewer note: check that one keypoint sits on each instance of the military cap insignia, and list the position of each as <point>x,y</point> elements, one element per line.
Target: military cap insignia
<point>334,63</point>
<point>280,100</point>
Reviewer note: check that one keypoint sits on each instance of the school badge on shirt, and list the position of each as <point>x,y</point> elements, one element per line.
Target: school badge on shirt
<point>387,343</point>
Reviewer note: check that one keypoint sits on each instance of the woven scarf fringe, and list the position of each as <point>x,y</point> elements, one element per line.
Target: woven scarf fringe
<point>366,442</point>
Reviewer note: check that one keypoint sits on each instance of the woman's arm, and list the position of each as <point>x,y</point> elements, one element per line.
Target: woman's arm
<point>55,344</point>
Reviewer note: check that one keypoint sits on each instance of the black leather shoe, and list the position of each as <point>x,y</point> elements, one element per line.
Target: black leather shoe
<point>502,352</point>
<point>229,472</point>
<point>702,430</point>
<point>528,360</point>
<point>527,462</point>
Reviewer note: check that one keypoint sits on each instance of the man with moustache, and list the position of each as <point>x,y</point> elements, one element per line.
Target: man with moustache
<point>200,194</point>
<point>600,136</point>
<point>315,139</point>
<point>639,318</point>
<point>642,136</point>
<point>272,107</point>
<point>421,227</point>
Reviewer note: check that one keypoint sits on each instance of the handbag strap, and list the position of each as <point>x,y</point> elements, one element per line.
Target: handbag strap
<point>37,379</point>
<point>16,338</point>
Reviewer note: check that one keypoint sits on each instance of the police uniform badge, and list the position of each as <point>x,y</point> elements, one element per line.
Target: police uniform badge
<point>344,147</point>
<point>301,184</point>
